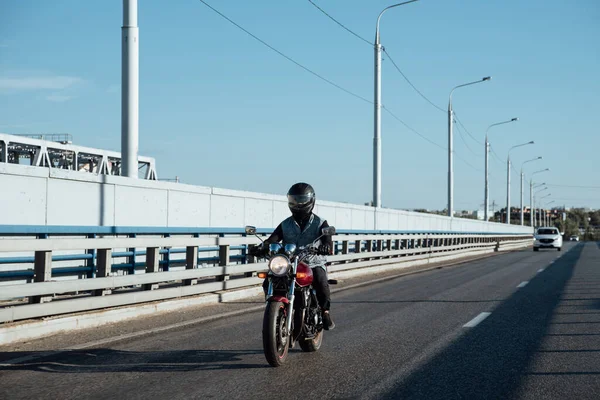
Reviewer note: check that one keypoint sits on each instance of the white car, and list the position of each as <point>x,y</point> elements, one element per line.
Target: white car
<point>547,237</point>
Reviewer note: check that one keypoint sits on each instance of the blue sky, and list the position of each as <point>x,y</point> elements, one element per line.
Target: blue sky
<point>217,108</point>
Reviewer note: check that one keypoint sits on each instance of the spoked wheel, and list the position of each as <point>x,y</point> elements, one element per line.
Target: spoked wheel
<point>275,336</point>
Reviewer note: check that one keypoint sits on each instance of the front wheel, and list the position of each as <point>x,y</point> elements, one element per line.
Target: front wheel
<point>275,336</point>
<point>559,248</point>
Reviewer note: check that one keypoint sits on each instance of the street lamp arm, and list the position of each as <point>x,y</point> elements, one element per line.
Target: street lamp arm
<point>487,78</point>
<point>381,13</point>
<point>519,145</point>
<point>500,123</point>
<point>540,171</point>
<point>533,159</point>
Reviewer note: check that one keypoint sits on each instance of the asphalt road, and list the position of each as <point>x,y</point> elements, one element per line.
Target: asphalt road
<point>420,336</point>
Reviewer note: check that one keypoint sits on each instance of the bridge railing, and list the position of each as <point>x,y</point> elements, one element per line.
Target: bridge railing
<point>154,273</point>
<point>58,152</point>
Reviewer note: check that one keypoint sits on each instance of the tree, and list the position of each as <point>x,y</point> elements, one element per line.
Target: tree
<point>595,218</point>
<point>569,227</point>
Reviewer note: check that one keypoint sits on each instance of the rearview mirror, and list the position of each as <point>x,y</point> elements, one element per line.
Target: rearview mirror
<point>250,230</point>
<point>329,231</point>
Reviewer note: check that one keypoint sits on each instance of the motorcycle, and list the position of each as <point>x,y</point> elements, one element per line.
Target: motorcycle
<point>292,314</point>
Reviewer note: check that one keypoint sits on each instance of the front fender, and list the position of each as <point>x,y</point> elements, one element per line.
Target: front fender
<point>282,299</point>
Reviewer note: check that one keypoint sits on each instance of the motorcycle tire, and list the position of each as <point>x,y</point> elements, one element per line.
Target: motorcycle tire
<point>275,345</point>
<point>311,345</point>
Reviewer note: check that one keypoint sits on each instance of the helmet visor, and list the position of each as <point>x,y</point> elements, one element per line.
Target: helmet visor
<point>299,200</point>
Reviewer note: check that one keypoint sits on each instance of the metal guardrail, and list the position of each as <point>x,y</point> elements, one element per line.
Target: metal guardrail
<point>99,286</point>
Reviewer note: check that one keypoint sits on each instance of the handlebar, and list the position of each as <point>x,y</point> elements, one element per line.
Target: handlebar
<point>310,249</point>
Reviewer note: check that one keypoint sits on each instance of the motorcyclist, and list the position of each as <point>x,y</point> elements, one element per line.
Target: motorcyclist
<point>302,229</point>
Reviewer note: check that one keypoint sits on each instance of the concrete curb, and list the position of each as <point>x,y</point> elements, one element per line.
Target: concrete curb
<point>27,330</point>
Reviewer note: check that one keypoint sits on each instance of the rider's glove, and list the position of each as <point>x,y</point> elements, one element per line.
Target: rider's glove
<point>257,251</point>
<point>324,249</point>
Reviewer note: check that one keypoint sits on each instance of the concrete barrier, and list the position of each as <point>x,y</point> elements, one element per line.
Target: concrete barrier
<point>50,196</point>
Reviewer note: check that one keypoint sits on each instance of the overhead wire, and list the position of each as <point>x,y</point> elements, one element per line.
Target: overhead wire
<point>566,199</point>
<point>513,168</point>
<point>574,186</point>
<point>340,24</point>
<point>468,163</point>
<point>413,130</point>
<point>465,142</point>
<point>466,130</point>
<point>286,56</point>
<point>335,84</point>
<point>496,155</point>
<point>410,83</point>
<point>427,139</point>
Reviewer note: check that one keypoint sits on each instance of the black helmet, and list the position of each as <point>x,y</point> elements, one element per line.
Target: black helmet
<point>301,200</point>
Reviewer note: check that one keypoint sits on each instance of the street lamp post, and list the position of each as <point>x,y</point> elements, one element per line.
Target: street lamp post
<point>531,187</point>
<point>538,216</point>
<point>532,216</point>
<point>548,216</point>
<point>532,213</point>
<point>538,213</point>
<point>451,146</point>
<point>486,194</point>
<point>543,218</point>
<point>130,90</point>
<point>522,176</point>
<point>377,102</point>
<point>508,179</point>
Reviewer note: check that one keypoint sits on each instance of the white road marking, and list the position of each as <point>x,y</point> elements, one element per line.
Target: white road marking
<point>522,284</point>
<point>475,321</point>
<point>540,270</point>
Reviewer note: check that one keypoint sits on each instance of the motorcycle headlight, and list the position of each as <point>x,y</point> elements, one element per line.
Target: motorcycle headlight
<point>279,265</point>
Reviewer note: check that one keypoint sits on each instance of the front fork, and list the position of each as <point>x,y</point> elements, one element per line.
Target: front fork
<point>290,297</point>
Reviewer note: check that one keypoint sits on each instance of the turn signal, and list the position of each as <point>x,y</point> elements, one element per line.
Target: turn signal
<point>262,275</point>
<point>301,275</point>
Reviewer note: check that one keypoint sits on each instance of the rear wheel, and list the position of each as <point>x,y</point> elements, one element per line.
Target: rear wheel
<point>559,248</point>
<point>313,344</point>
<point>536,249</point>
<point>275,337</point>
